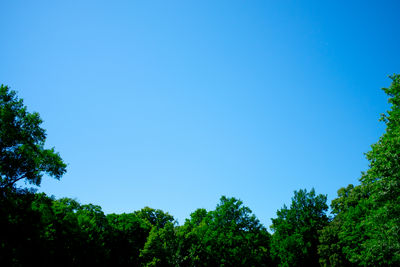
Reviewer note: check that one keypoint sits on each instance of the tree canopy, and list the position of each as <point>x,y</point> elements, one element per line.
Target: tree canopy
<point>295,236</point>
<point>22,152</point>
<point>366,227</point>
<point>35,229</point>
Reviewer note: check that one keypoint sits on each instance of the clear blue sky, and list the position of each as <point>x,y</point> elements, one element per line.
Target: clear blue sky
<point>171,104</point>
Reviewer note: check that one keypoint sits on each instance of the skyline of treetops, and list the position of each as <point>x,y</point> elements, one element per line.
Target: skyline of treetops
<point>173,105</point>
<point>362,229</point>
<point>199,133</point>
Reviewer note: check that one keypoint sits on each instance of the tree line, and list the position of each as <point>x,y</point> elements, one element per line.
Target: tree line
<point>363,228</point>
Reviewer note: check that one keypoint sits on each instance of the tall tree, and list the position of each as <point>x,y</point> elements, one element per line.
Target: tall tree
<point>22,152</point>
<point>295,238</point>
<point>27,226</point>
<point>383,181</point>
<point>367,218</point>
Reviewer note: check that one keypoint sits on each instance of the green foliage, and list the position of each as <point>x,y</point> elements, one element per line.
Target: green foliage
<point>156,218</point>
<point>383,181</point>
<point>335,248</point>
<point>228,236</point>
<point>126,237</point>
<point>39,230</point>
<point>36,231</point>
<point>161,247</point>
<point>64,232</point>
<point>93,227</point>
<point>190,247</point>
<point>366,228</point>
<point>22,152</point>
<point>295,238</point>
<point>19,229</point>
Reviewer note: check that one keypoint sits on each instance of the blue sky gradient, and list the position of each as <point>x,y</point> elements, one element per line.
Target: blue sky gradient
<point>171,104</point>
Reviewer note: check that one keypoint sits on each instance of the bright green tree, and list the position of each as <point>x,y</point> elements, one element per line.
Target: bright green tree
<point>160,248</point>
<point>335,248</point>
<point>382,180</point>
<point>190,249</point>
<point>367,220</point>
<point>155,217</point>
<point>230,235</point>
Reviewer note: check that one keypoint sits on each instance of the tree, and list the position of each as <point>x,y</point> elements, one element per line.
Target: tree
<point>295,238</point>
<point>157,218</point>
<point>190,248</point>
<point>22,152</point>
<point>160,248</point>
<point>335,249</point>
<point>20,230</point>
<point>126,237</point>
<point>367,221</point>
<point>28,229</point>
<point>228,236</point>
<point>94,227</point>
<point>382,180</point>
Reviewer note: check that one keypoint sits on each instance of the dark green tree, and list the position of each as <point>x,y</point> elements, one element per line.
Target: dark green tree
<point>126,238</point>
<point>22,152</point>
<point>61,233</point>
<point>295,230</point>
<point>27,226</point>
<point>94,228</point>
<point>20,229</point>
